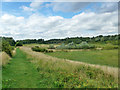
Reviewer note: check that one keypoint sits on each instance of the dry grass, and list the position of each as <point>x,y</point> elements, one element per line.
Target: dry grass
<point>4,58</point>
<point>64,63</point>
<point>40,45</point>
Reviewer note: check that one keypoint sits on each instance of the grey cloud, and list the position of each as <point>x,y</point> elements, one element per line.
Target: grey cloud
<point>107,7</point>
<point>69,6</point>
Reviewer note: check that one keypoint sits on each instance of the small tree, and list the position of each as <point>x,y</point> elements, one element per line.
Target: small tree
<point>19,44</point>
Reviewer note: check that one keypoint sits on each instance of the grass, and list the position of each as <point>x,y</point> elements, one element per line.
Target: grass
<point>106,46</point>
<point>4,58</point>
<point>20,73</point>
<point>101,57</point>
<point>58,73</point>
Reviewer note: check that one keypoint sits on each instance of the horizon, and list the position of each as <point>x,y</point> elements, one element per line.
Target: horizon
<point>48,20</point>
<point>59,38</point>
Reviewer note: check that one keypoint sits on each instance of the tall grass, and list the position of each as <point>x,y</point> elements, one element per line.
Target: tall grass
<point>59,73</point>
<point>100,57</point>
<point>4,58</point>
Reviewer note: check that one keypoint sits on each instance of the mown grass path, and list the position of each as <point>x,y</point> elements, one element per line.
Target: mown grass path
<point>20,73</point>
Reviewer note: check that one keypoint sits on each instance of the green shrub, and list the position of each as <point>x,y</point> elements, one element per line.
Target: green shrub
<point>110,47</point>
<point>51,47</point>
<point>38,49</point>
<point>83,45</point>
<point>62,46</point>
<point>7,48</point>
<point>19,44</point>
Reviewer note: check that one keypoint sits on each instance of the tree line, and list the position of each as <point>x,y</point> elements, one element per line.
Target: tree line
<point>77,40</point>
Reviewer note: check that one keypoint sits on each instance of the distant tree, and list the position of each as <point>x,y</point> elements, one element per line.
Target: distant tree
<point>19,44</point>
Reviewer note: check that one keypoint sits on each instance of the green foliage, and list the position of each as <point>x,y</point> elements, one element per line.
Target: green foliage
<point>82,45</point>
<point>10,40</point>
<point>76,40</point>
<point>101,57</point>
<point>71,76</point>
<point>51,46</point>
<point>7,48</point>
<point>19,44</point>
<point>62,46</point>
<point>38,49</point>
<point>110,47</point>
<point>85,45</point>
<point>7,83</point>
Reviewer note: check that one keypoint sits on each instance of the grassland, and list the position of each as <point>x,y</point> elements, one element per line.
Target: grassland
<point>101,57</point>
<point>20,73</point>
<point>30,69</point>
<point>60,73</point>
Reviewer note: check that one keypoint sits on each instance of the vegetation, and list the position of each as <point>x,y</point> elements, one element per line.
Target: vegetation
<point>82,45</point>
<point>38,49</point>
<point>19,44</point>
<point>20,73</point>
<point>51,46</point>
<point>40,70</point>
<point>103,57</point>
<point>7,48</point>
<point>10,40</point>
<point>7,45</point>
<point>4,59</point>
<point>113,39</point>
<point>62,74</point>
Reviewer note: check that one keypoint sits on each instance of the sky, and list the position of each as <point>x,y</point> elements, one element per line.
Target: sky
<point>55,20</point>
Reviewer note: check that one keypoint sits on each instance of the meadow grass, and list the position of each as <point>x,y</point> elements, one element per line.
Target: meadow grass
<point>100,57</point>
<point>4,58</point>
<point>59,73</point>
<point>20,73</point>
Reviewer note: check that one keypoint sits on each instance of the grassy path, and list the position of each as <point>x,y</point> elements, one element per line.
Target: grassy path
<point>20,73</point>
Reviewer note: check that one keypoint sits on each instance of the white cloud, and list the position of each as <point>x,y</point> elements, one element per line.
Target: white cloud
<point>34,6</point>
<point>27,8</point>
<point>36,26</point>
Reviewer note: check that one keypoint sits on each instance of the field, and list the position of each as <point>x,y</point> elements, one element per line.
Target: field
<point>62,68</point>
<point>101,57</point>
<point>37,70</point>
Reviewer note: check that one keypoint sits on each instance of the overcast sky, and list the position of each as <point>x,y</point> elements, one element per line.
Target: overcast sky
<point>49,20</point>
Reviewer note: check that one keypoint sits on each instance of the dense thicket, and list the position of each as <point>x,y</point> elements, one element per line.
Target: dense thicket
<point>10,40</point>
<point>7,45</point>
<point>77,40</point>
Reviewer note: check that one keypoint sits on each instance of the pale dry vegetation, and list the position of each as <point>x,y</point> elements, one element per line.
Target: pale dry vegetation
<point>4,58</point>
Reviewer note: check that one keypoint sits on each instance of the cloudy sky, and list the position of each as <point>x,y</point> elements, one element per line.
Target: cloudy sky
<point>47,20</point>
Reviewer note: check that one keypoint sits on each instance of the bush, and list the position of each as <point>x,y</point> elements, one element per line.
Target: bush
<point>19,44</point>
<point>83,45</point>
<point>51,47</point>
<point>110,47</point>
<point>38,49</point>
<point>7,48</point>
<point>62,46</point>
